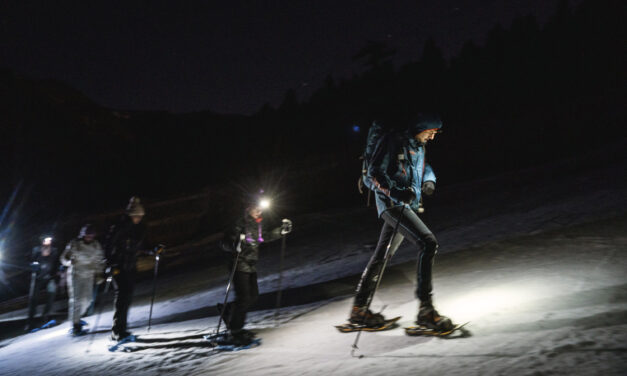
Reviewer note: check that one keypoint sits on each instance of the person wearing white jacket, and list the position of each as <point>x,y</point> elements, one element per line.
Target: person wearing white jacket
<point>84,257</point>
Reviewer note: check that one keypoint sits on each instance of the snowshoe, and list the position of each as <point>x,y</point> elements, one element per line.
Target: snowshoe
<point>430,323</point>
<point>420,330</point>
<point>119,345</point>
<point>232,347</point>
<point>230,342</point>
<point>47,325</point>
<point>350,327</point>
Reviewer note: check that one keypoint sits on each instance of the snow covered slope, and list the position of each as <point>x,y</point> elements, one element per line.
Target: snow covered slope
<point>539,272</point>
<point>553,303</point>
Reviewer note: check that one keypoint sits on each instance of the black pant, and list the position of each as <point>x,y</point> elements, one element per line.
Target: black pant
<point>124,284</point>
<point>246,293</point>
<point>412,228</point>
<point>51,291</point>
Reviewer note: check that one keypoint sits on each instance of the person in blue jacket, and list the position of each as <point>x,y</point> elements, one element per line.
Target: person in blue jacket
<point>398,174</point>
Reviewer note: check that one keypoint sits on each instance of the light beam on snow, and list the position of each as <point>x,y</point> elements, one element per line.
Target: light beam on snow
<point>480,302</point>
<point>53,334</point>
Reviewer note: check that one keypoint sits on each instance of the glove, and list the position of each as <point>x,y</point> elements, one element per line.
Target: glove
<point>34,266</point>
<point>62,268</point>
<point>428,187</point>
<point>403,195</point>
<point>286,226</point>
<point>159,249</point>
<point>112,271</point>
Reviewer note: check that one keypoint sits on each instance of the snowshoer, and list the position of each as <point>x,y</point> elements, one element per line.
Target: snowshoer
<point>45,265</point>
<point>245,275</point>
<point>85,260</point>
<point>398,175</point>
<point>123,243</point>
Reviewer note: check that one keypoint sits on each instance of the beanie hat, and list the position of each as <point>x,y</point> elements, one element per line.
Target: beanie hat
<point>424,122</point>
<point>134,207</point>
<point>88,229</point>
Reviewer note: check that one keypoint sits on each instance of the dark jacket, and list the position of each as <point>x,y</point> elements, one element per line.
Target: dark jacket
<point>254,235</point>
<point>48,265</point>
<point>123,242</point>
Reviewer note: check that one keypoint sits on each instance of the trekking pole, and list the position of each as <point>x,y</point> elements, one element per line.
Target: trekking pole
<point>101,307</point>
<point>385,262</point>
<point>31,290</point>
<point>238,249</point>
<point>280,287</point>
<point>154,282</point>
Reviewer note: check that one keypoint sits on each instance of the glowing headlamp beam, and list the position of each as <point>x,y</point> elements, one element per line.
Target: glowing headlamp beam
<point>264,203</point>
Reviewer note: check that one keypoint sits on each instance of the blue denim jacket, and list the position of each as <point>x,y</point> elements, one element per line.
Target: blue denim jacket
<point>398,164</point>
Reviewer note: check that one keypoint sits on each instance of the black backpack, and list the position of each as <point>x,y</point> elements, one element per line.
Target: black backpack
<point>375,135</point>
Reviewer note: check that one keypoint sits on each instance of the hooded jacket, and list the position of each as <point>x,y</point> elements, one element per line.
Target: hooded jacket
<point>399,164</point>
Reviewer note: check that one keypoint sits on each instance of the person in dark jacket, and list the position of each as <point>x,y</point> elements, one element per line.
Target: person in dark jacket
<point>244,238</point>
<point>122,245</point>
<point>399,174</point>
<point>44,261</point>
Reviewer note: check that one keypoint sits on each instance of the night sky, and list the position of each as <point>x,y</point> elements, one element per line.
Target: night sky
<point>229,56</point>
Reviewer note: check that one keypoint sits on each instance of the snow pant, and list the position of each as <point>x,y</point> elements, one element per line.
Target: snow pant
<point>413,229</point>
<point>94,299</point>
<point>51,293</point>
<point>246,294</point>
<point>80,294</point>
<point>123,283</point>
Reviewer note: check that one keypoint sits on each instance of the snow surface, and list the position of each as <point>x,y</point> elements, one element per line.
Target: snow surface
<point>541,278</point>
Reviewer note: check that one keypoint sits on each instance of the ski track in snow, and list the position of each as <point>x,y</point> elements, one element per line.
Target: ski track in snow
<point>543,285</point>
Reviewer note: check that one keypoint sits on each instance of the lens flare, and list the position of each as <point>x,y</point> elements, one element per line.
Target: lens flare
<point>264,203</point>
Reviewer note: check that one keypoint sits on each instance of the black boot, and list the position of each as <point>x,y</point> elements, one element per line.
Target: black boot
<point>240,337</point>
<point>248,333</point>
<point>431,319</point>
<point>116,336</point>
<point>77,330</point>
<point>364,316</point>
